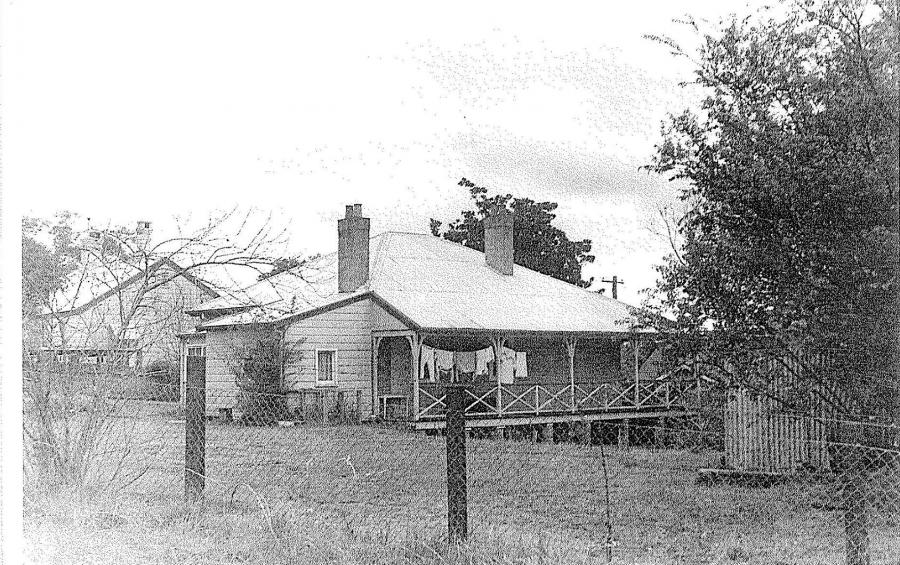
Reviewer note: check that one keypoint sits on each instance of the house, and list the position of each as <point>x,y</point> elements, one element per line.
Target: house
<point>380,324</point>
<point>114,312</point>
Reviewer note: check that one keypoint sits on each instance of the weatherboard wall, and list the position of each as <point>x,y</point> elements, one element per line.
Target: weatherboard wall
<point>596,360</point>
<point>383,320</point>
<point>346,330</point>
<point>224,349</point>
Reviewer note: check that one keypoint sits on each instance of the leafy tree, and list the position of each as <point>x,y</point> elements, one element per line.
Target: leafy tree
<point>790,244</point>
<point>539,245</point>
<point>45,268</point>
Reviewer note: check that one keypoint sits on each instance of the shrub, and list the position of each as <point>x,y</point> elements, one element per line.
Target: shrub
<point>77,429</point>
<point>258,374</point>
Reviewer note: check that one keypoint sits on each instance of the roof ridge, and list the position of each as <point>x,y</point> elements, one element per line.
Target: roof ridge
<point>378,262</point>
<point>403,232</point>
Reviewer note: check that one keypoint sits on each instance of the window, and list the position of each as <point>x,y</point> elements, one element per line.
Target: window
<point>196,351</point>
<point>325,366</point>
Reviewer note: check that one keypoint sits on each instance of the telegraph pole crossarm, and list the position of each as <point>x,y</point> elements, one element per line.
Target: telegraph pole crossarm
<point>616,281</point>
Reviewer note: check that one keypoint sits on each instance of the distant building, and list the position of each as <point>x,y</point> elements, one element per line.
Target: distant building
<point>115,311</point>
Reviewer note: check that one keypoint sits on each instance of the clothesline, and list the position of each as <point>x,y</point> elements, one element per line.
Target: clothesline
<point>513,364</point>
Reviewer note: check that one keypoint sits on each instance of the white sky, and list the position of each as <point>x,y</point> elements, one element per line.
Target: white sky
<point>123,111</point>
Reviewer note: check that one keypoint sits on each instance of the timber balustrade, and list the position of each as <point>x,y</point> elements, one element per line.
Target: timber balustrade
<point>523,399</point>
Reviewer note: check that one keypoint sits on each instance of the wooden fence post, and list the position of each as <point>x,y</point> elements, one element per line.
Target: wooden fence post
<point>624,433</point>
<point>457,505</point>
<point>659,432</point>
<point>195,429</point>
<point>583,432</point>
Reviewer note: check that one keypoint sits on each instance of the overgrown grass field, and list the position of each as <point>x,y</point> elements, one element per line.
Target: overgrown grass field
<point>364,494</point>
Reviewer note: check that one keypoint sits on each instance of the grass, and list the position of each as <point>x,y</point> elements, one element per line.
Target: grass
<point>363,494</point>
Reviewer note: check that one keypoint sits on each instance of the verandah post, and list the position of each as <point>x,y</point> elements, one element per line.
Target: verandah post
<point>415,348</point>
<point>195,429</point>
<point>570,350</point>
<point>457,504</point>
<point>637,376</point>
<point>497,346</point>
<point>376,343</point>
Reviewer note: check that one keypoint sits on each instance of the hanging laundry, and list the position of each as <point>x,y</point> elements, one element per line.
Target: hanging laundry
<point>483,364</point>
<point>465,362</point>
<point>507,366</point>
<point>443,361</point>
<point>428,364</point>
<point>521,365</point>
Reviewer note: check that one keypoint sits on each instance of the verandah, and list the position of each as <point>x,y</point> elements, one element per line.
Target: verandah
<point>592,374</point>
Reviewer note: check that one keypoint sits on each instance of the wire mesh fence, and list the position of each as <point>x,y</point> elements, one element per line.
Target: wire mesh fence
<point>644,492</point>
<point>263,479</point>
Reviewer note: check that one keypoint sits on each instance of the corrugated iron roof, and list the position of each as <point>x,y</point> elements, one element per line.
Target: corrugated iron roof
<point>438,285</point>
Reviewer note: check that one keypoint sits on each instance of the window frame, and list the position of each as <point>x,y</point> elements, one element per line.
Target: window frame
<point>188,348</point>
<point>334,364</point>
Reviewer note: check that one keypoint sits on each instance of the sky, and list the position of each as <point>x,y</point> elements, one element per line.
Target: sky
<point>126,111</point>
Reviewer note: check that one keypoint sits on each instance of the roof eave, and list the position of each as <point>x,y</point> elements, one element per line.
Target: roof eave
<point>521,332</point>
<point>224,311</point>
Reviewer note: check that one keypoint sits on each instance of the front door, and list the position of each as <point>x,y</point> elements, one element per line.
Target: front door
<point>394,377</point>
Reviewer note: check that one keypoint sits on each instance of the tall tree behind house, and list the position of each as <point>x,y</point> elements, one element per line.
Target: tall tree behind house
<point>539,245</point>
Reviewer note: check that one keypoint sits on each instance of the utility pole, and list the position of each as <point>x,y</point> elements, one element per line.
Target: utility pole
<point>615,285</point>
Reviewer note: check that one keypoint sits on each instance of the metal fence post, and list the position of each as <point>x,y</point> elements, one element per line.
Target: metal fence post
<point>457,510</point>
<point>856,527</point>
<point>195,429</point>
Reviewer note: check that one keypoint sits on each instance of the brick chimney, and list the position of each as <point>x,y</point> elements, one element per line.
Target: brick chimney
<point>353,249</point>
<point>142,233</point>
<point>498,241</point>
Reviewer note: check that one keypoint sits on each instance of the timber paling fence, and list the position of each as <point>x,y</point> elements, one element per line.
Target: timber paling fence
<point>685,488</point>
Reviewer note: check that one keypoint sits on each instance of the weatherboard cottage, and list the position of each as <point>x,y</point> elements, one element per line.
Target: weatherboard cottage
<point>387,319</point>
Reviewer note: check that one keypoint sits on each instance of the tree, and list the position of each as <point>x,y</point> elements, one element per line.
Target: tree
<point>790,242</point>
<point>46,268</point>
<point>538,244</point>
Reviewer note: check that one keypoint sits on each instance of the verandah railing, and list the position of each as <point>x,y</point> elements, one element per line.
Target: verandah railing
<point>498,400</point>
